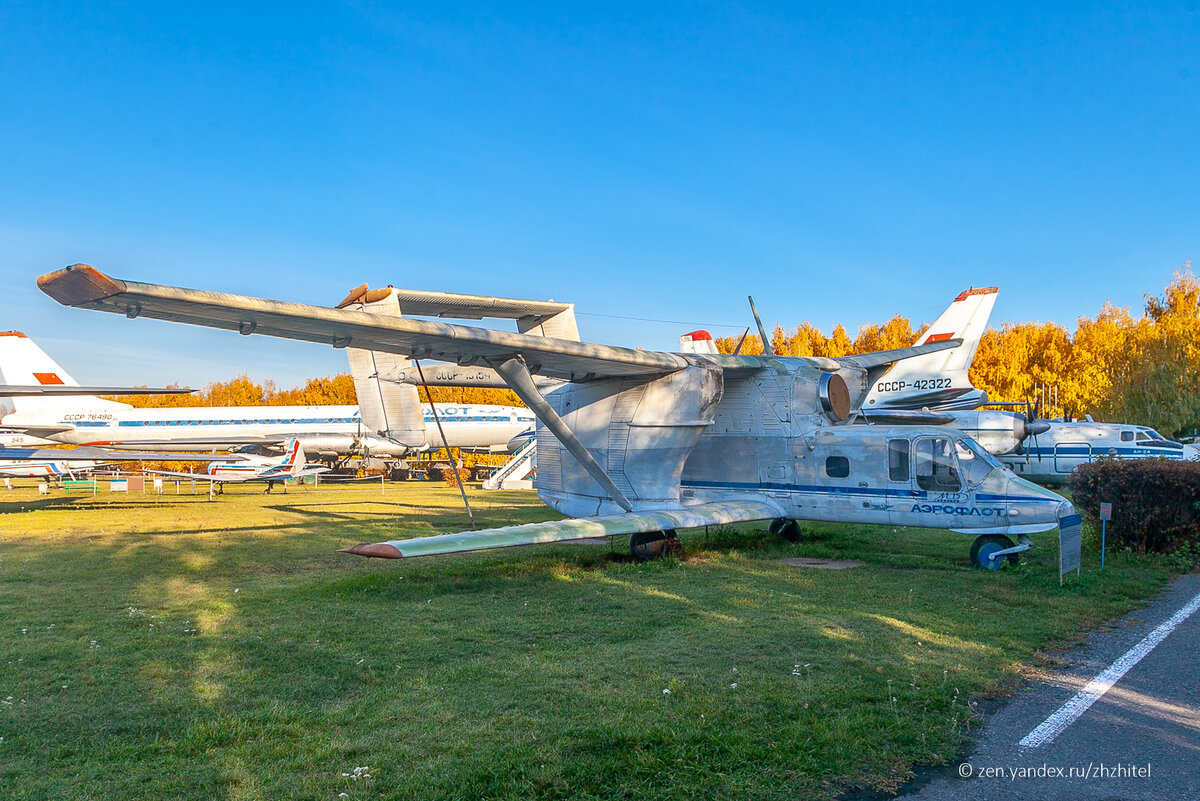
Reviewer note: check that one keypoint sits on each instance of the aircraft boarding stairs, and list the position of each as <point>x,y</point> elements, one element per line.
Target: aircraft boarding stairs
<point>514,473</point>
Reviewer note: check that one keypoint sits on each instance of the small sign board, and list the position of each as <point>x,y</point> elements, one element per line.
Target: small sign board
<point>1070,544</point>
<point>1106,511</point>
<point>118,485</point>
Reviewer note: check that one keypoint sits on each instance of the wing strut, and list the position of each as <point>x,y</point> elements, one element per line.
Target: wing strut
<point>446,443</point>
<point>516,373</point>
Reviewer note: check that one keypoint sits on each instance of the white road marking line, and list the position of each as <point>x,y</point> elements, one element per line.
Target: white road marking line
<point>1070,711</point>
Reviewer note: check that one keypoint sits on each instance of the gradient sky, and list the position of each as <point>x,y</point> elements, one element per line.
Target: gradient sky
<point>842,163</point>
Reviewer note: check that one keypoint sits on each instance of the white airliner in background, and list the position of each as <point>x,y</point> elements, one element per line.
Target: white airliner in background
<point>324,431</point>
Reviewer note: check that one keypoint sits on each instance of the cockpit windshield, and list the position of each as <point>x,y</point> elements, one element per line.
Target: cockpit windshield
<point>1152,434</point>
<point>974,461</point>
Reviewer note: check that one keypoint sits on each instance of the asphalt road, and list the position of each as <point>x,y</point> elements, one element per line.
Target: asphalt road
<point>1140,740</point>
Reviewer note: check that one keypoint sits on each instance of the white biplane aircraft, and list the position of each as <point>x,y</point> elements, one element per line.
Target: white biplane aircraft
<point>643,442</point>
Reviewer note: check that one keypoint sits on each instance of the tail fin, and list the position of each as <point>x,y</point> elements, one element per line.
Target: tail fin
<point>295,459</point>
<point>939,380</point>
<point>23,362</point>
<point>697,342</point>
<point>386,408</point>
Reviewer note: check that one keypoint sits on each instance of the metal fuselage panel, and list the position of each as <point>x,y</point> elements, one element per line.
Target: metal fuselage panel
<point>763,437</point>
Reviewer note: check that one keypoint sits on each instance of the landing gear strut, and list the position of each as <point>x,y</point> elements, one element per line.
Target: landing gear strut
<point>786,528</point>
<point>985,551</point>
<point>652,544</point>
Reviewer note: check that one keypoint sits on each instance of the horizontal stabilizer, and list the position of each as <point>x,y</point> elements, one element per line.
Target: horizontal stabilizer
<point>882,358</point>
<point>709,514</point>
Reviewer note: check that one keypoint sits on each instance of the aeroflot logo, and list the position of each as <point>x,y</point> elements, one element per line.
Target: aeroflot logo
<point>962,511</point>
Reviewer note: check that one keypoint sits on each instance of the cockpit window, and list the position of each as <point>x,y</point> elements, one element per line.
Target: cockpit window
<point>1150,432</point>
<point>935,465</point>
<point>974,461</point>
<point>1142,436</point>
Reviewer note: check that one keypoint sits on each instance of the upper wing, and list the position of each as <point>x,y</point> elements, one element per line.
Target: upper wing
<point>86,287</point>
<point>707,514</point>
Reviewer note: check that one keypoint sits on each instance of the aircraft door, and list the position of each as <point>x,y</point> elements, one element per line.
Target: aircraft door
<point>902,490</point>
<point>1069,455</point>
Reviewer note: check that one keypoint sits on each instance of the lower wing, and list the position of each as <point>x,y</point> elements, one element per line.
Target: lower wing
<point>707,514</point>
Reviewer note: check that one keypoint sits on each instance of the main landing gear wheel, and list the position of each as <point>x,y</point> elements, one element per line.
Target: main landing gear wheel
<point>652,544</point>
<point>987,544</point>
<point>785,528</point>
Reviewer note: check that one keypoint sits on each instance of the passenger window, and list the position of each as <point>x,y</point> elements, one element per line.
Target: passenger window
<point>1126,436</point>
<point>837,467</point>
<point>935,466</point>
<point>898,459</point>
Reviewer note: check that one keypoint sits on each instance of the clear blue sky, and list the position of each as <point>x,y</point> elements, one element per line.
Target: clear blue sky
<point>842,163</point>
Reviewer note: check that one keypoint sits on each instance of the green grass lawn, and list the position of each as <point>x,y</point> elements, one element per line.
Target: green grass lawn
<point>173,647</point>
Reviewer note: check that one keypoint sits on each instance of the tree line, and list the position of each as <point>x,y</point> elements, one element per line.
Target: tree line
<point>1116,366</point>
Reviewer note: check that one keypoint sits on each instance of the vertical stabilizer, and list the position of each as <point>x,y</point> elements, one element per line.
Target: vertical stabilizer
<point>939,380</point>
<point>23,362</point>
<point>698,342</point>
<point>388,409</point>
<point>296,460</point>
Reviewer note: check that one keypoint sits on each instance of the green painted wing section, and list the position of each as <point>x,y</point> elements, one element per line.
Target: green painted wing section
<point>709,514</point>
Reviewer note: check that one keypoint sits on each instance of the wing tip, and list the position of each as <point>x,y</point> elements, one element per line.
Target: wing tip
<point>378,550</point>
<point>79,284</point>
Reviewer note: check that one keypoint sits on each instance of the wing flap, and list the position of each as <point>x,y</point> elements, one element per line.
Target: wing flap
<point>709,514</point>
<point>86,287</point>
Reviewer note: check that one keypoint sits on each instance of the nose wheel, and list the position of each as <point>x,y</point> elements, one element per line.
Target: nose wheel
<point>653,544</point>
<point>986,552</point>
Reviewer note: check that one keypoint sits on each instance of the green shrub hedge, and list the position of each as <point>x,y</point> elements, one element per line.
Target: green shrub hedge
<point>1156,502</point>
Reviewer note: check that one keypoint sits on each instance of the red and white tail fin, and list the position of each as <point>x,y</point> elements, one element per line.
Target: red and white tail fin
<point>295,459</point>
<point>939,380</point>
<point>697,342</point>
<point>23,362</point>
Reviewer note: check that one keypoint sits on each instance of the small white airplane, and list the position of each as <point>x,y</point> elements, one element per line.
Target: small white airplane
<point>254,468</point>
<point>641,443</point>
<point>55,469</point>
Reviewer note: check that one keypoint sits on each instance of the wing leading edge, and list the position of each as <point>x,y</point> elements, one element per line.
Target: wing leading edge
<point>708,514</point>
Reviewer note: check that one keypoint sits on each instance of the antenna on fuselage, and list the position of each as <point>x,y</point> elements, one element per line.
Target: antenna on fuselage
<point>741,341</point>
<point>761,331</point>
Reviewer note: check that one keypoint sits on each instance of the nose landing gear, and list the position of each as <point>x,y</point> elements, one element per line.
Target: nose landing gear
<point>991,551</point>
